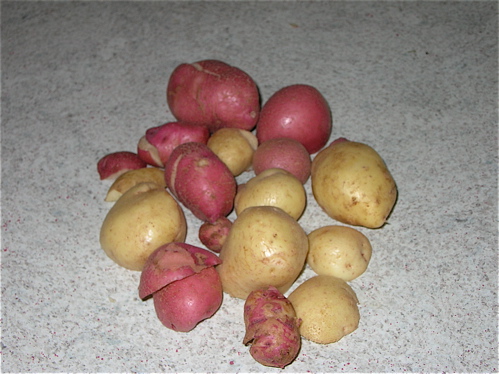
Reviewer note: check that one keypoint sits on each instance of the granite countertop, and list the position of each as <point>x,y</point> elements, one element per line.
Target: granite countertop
<point>415,80</point>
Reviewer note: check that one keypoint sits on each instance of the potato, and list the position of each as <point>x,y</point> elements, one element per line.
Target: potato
<point>265,247</point>
<point>145,217</point>
<point>352,184</point>
<point>213,235</point>
<point>200,181</point>
<point>133,177</point>
<point>340,251</point>
<point>273,187</point>
<point>112,165</point>
<point>214,94</point>
<point>271,328</point>
<point>235,147</point>
<point>298,112</point>
<point>327,307</point>
<point>283,153</point>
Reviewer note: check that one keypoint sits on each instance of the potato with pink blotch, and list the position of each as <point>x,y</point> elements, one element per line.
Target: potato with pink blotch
<point>213,94</point>
<point>298,112</point>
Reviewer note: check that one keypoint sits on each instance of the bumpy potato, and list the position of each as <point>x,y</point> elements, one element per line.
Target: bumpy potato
<point>144,218</point>
<point>351,182</point>
<point>265,247</point>
<point>327,307</point>
<point>339,251</point>
<point>273,187</point>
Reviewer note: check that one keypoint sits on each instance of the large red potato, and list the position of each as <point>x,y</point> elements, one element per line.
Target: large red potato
<point>214,94</point>
<point>200,181</point>
<point>298,112</point>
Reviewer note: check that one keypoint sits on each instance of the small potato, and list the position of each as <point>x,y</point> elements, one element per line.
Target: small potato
<point>144,218</point>
<point>340,251</point>
<point>273,187</point>
<point>284,153</point>
<point>235,147</point>
<point>352,184</point>
<point>133,177</point>
<point>327,307</point>
<point>265,247</point>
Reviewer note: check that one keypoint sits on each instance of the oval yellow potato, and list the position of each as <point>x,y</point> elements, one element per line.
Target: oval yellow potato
<point>340,251</point>
<point>235,147</point>
<point>327,307</point>
<point>265,247</point>
<point>351,183</point>
<point>273,187</point>
<point>145,217</point>
<point>133,177</point>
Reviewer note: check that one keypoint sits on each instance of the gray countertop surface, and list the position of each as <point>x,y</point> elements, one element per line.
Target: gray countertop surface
<point>415,80</point>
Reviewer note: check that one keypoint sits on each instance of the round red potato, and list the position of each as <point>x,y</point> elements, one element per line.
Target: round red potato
<point>298,112</point>
<point>214,94</point>
<point>283,153</point>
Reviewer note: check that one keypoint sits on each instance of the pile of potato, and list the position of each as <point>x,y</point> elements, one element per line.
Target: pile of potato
<point>221,131</point>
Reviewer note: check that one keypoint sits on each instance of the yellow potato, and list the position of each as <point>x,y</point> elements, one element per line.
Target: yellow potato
<point>327,307</point>
<point>265,247</point>
<point>235,147</point>
<point>351,182</point>
<point>144,218</point>
<point>133,177</point>
<point>340,251</point>
<point>273,187</point>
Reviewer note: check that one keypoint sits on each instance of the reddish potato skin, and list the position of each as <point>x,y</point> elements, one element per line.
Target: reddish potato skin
<point>214,94</point>
<point>181,305</point>
<point>167,137</point>
<point>298,112</point>
<point>272,328</point>
<point>112,165</point>
<point>213,235</point>
<point>283,153</point>
<point>200,181</point>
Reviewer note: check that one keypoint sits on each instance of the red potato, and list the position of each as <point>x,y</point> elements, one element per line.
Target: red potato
<point>181,305</point>
<point>213,235</point>
<point>298,112</point>
<point>159,142</point>
<point>283,153</point>
<point>272,328</point>
<point>214,94</point>
<point>112,165</point>
<point>171,262</point>
<point>184,285</point>
<point>200,181</point>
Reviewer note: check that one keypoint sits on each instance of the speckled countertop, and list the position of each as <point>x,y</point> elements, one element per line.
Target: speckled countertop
<point>415,80</point>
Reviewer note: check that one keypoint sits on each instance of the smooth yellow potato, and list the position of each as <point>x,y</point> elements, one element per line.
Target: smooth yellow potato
<point>273,187</point>
<point>144,218</point>
<point>327,307</point>
<point>235,147</point>
<point>133,177</point>
<point>340,251</point>
<point>265,247</point>
<point>352,184</point>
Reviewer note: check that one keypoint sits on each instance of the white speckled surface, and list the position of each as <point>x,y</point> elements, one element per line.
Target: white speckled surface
<point>416,80</point>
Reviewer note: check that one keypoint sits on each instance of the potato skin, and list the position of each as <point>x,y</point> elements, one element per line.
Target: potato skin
<point>298,112</point>
<point>352,184</point>
<point>340,251</point>
<point>265,246</point>
<point>144,218</point>
<point>214,94</point>
<point>327,307</point>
